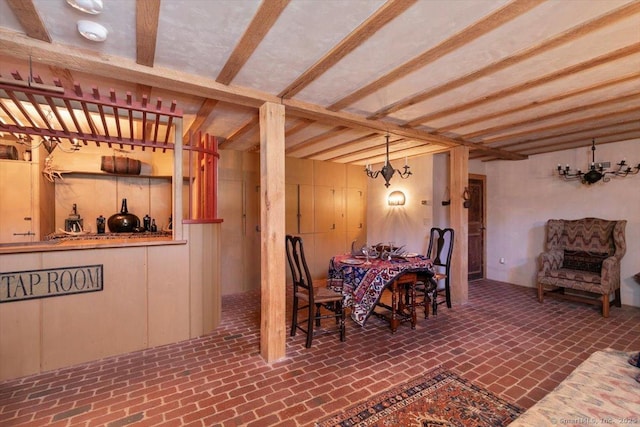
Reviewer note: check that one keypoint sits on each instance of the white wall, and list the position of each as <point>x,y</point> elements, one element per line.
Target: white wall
<point>405,225</point>
<point>521,197</point>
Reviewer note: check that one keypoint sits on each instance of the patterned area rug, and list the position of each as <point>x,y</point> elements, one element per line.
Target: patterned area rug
<point>438,398</point>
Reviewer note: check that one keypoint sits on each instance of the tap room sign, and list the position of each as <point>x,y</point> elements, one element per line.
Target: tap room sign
<point>51,282</point>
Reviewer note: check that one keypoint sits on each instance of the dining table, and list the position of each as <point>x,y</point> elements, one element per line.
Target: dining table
<point>362,282</point>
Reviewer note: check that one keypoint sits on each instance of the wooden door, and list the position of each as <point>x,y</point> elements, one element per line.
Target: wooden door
<point>16,207</point>
<point>476,226</point>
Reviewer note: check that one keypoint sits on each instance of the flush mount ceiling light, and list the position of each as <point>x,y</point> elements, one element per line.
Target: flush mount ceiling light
<point>92,31</point>
<point>92,7</point>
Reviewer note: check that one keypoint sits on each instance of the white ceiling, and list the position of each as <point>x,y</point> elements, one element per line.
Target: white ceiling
<point>509,79</point>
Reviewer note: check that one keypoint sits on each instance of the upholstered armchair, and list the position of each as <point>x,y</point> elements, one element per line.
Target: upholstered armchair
<point>583,255</point>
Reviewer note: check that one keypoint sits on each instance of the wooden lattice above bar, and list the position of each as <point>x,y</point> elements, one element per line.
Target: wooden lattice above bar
<point>29,108</point>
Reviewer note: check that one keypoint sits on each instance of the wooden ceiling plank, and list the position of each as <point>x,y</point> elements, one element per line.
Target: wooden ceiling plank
<point>357,153</point>
<point>496,129</point>
<point>559,40</point>
<point>581,121</point>
<point>264,19</point>
<point>613,137</point>
<point>570,134</point>
<point>565,72</point>
<point>466,36</point>
<point>316,139</point>
<point>302,124</point>
<point>385,14</point>
<point>147,16</point>
<point>26,13</point>
<point>540,102</point>
<point>365,154</point>
<point>205,110</point>
<point>347,144</point>
<point>315,112</point>
<point>246,127</point>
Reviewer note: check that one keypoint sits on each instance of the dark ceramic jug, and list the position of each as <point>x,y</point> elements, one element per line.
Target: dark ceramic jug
<point>123,222</point>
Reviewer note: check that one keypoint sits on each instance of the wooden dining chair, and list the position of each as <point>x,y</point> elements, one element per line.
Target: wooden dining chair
<point>310,298</point>
<point>439,251</point>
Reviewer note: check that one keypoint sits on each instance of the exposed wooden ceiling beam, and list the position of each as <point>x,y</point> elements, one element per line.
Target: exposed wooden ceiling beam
<point>562,39</point>
<point>64,75</point>
<point>565,72</point>
<point>21,47</point>
<point>381,17</point>
<point>265,17</point>
<point>147,15</point>
<point>467,35</point>
<point>26,13</point>
<point>202,115</point>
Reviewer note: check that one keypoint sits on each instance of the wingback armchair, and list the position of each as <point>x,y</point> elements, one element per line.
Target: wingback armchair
<point>583,255</point>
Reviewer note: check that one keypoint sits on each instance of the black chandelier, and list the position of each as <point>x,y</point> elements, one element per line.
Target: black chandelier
<point>597,171</point>
<point>387,170</point>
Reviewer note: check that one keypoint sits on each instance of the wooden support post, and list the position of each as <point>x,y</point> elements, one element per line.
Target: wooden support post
<point>272,222</point>
<point>176,214</point>
<point>459,220</point>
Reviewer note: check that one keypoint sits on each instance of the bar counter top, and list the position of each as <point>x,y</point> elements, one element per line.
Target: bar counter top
<point>63,241</point>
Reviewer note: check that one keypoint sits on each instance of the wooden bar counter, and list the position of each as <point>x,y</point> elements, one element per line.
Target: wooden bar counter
<point>153,291</point>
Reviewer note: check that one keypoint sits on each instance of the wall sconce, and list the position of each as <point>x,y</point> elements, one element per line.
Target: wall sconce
<point>396,198</point>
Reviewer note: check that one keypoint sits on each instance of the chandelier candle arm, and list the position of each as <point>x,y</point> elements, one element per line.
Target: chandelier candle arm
<point>597,171</point>
<point>387,170</point>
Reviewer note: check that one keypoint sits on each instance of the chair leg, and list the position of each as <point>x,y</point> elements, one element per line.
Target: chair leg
<point>434,302</point>
<point>426,302</point>
<point>540,293</point>
<point>294,317</point>
<point>318,314</point>
<point>342,323</point>
<point>447,292</point>
<point>618,300</point>
<point>605,305</point>
<point>310,325</point>
<point>414,317</point>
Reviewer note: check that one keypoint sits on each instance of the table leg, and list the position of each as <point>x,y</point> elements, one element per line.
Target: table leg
<point>394,321</point>
<point>412,307</point>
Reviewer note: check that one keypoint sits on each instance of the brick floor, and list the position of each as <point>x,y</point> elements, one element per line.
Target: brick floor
<point>503,339</point>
